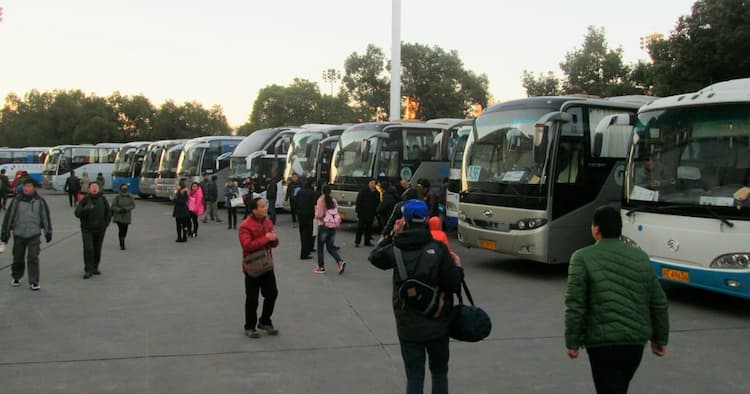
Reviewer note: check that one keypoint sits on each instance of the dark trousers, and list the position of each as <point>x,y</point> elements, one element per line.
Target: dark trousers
<point>122,230</point>
<point>194,227</point>
<point>293,208</point>
<point>26,251</point>
<point>72,197</point>
<point>183,228</point>
<point>266,285</point>
<point>92,249</point>
<point>364,226</point>
<point>231,217</point>
<point>306,235</point>
<point>272,210</point>
<point>3,198</point>
<point>614,366</point>
<point>414,355</point>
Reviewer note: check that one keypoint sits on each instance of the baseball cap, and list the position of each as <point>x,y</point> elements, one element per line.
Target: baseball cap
<point>415,211</point>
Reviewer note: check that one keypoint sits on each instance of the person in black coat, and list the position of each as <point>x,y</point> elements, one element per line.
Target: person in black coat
<point>390,199</point>
<point>181,213</point>
<point>367,203</point>
<point>72,187</point>
<point>291,191</point>
<point>95,216</point>
<point>271,195</point>
<point>305,202</point>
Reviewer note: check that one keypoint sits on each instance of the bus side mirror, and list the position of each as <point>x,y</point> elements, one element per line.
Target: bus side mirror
<point>365,150</point>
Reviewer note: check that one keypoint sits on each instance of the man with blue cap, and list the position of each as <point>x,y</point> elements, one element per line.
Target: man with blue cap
<point>429,262</point>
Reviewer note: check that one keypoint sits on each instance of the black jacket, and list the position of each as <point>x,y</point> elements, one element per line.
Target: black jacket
<point>211,192</point>
<point>94,212</point>
<point>290,188</point>
<point>271,190</point>
<point>306,200</point>
<point>367,203</point>
<point>390,198</point>
<point>411,325</point>
<point>72,185</point>
<point>180,205</point>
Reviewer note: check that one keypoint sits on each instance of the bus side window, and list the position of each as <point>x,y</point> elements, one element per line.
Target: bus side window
<point>569,162</point>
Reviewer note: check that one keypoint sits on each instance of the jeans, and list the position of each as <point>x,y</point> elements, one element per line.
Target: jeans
<point>614,366</point>
<point>327,237</point>
<point>92,249</point>
<point>27,248</point>
<point>414,357</point>
<point>266,285</point>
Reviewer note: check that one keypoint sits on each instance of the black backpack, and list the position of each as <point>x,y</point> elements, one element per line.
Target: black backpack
<point>421,295</point>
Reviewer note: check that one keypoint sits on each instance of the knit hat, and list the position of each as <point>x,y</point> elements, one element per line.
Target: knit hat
<point>415,211</point>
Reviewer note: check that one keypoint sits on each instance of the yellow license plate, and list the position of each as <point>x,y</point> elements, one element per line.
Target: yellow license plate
<point>680,276</point>
<point>342,216</point>
<point>487,244</point>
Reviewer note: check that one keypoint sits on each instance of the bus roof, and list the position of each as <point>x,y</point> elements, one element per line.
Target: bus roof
<point>558,102</point>
<point>733,91</point>
<point>258,140</point>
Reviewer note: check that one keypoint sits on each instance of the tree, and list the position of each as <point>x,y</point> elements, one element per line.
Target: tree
<point>708,46</point>
<point>366,82</point>
<point>135,115</point>
<point>541,85</point>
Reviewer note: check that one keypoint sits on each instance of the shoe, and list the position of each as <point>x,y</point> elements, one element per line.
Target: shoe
<point>87,275</point>
<point>219,221</point>
<point>369,244</point>
<point>34,287</point>
<point>319,270</point>
<point>356,245</point>
<point>294,225</point>
<point>252,333</point>
<point>15,283</point>
<point>204,221</point>
<point>342,266</point>
<point>268,328</point>
<point>308,257</point>
<point>97,272</point>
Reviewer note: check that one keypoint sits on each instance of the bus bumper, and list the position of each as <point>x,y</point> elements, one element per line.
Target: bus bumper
<point>346,201</point>
<point>732,282</point>
<point>528,245</point>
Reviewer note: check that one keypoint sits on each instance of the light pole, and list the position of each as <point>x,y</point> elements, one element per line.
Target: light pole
<point>395,112</point>
<point>331,76</point>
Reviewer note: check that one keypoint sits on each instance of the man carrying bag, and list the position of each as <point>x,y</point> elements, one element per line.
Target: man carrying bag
<point>423,325</point>
<point>257,237</point>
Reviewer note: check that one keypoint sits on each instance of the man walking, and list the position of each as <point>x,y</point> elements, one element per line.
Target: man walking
<point>271,195</point>
<point>291,192</point>
<point>614,305</point>
<point>26,217</point>
<point>210,196</point>
<point>257,233</point>
<point>72,187</point>
<point>95,215</point>
<point>429,262</point>
<point>367,203</point>
<point>4,188</point>
<point>306,200</point>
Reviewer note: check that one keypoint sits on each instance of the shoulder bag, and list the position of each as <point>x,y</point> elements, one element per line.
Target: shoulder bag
<point>470,323</point>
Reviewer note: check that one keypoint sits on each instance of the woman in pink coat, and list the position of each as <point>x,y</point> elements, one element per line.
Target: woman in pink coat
<point>195,206</point>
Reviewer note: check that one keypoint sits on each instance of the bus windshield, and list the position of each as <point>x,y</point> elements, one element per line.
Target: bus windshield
<point>151,161</point>
<point>504,151</point>
<point>124,160</point>
<point>355,154</point>
<point>168,165</point>
<point>53,161</point>
<point>302,153</point>
<point>190,163</point>
<point>696,156</point>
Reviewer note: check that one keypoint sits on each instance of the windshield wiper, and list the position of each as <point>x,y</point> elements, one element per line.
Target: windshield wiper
<point>657,208</point>
<point>717,216</point>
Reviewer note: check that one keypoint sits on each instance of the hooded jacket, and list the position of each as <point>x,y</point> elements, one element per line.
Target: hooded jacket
<point>437,232</point>
<point>26,217</point>
<point>195,201</point>
<point>122,205</point>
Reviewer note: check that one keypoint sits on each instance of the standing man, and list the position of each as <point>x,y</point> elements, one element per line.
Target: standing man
<point>306,200</point>
<point>257,233</point>
<point>4,188</point>
<point>367,203</point>
<point>94,213</point>
<point>100,181</point>
<point>291,192</point>
<point>26,217</point>
<point>72,187</point>
<point>271,195</point>
<point>614,305</point>
<point>210,196</point>
<point>430,262</point>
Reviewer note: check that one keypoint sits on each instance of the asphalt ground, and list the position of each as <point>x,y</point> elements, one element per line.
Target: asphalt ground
<point>167,317</point>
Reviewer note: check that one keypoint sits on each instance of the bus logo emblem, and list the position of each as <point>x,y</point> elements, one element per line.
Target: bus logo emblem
<point>673,245</point>
<point>489,213</point>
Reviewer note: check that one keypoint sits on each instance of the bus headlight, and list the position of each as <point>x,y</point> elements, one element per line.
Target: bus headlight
<point>732,261</point>
<point>630,241</point>
<point>529,224</point>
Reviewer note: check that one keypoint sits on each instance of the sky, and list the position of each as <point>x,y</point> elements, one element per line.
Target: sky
<point>224,51</point>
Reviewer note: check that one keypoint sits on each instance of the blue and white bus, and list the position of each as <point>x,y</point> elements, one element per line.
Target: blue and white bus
<point>89,159</point>
<point>128,165</point>
<point>16,160</point>
<point>686,190</point>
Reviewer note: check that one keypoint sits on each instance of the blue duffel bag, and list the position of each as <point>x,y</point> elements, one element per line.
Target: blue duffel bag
<point>470,323</point>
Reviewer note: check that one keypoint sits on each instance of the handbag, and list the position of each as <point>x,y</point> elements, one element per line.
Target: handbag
<point>236,202</point>
<point>470,323</point>
<point>258,262</point>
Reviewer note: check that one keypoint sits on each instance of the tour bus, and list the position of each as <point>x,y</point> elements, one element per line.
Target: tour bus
<point>262,154</point>
<point>532,176</point>
<point>303,154</point>
<point>206,155</point>
<point>685,199</point>
<point>89,159</point>
<point>150,170</point>
<point>128,165</point>
<point>456,157</point>
<point>164,184</point>
<point>388,151</point>
<point>16,160</point>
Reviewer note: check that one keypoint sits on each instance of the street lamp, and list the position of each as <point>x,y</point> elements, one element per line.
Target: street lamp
<point>331,76</point>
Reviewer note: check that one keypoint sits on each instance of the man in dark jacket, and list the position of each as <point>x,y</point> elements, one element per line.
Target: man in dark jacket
<point>95,215</point>
<point>366,207</point>
<point>614,305</point>
<point>72,187</point>
<point>26,217</point>
<point>429,262</point>
<point>211,196</point>
<point>305,203</point>
<point>292,189</point>
<point>271,195</point>
<point>4,188</point>
<point>390,199</point>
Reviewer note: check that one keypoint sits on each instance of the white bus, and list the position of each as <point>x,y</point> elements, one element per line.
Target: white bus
<point>164,184</point>
<point>685,198</point>
<point>150,170</point>
<point>90,159</point>
<point>206,155</point>
<point>17,160</point>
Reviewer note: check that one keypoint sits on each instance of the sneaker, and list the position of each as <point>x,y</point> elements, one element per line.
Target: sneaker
<point>268,328</point>
<point>252,333</point>
<point>97,272</point>
<point>15,283</point>
<point>34,287</point>
<point>319,270</point>
<point>342,266</point>
<point>87,275</point>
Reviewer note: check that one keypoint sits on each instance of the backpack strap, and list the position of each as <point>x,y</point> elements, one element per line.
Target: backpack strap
<point>400,263</point>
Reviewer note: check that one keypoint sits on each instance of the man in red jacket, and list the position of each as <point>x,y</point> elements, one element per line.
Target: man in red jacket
<point>257,233</point>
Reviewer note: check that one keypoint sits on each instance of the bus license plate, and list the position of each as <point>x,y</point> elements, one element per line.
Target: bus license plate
<point>680,276</point>
<point>487,244</point>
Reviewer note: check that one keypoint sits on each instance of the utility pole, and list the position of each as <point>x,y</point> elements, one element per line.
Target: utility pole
<point>395,112</point>
<point>331,76</point>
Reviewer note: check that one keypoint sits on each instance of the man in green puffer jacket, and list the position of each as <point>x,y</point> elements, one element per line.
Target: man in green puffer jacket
<point>614,305</point>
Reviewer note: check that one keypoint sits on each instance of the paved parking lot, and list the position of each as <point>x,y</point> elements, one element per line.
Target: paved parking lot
<point>167,317</point>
